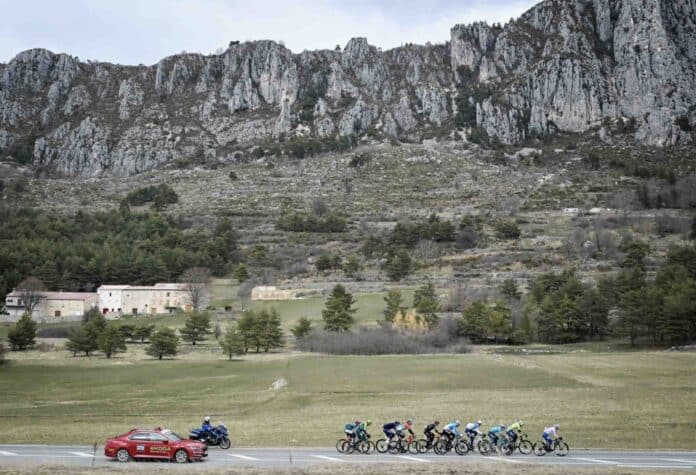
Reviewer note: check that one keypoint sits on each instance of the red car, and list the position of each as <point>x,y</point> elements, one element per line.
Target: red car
<point>154,444</point>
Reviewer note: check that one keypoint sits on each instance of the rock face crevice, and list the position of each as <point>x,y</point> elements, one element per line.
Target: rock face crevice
<point>565,65</point>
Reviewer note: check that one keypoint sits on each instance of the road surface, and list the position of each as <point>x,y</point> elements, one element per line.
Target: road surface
<point>302,457</point>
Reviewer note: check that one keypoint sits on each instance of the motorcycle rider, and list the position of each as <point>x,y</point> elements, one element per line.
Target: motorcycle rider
<point>430,431</point>
<point>207,428</point>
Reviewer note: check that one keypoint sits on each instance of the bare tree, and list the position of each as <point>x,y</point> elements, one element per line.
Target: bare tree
<point>196,281</point>
<point>31,291</point>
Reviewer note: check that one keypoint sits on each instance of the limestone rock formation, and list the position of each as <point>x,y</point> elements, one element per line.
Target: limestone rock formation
<point>565,65</point>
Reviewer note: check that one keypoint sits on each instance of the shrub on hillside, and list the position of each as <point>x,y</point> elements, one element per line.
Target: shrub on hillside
<point>62,331</point>
<point>385,340</point>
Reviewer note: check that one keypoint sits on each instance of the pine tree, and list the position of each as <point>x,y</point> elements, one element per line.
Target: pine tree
<point>270,333</point>
<point>631,314</point>
<point>338,311</point>
<point>81,341</point>
<point>196,328</point>
<point>248,329</point>
<point>399,264</point>
<point>426,303</point>
<point>23,334</point>
<point>509,289</point>
<point>500,317</point>
<point>475,322</point>
<point>127,331</point>
<point>111,341</point>
<point>163,343</point>
<point>142,332</point>
<point>233,343</point>
<point>241,274</point>
<point>302,328</point>
<point>393,299</point>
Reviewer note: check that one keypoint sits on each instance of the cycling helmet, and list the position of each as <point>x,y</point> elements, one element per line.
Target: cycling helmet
<point>368,422</point>
<point>409,420</point>
<point>503,426</point>
<point>437,423</point>
<point>556,426</point>
<point>206,418</point>
<point>479,422</point>
<point>521,424</point>
<point>458,422</point>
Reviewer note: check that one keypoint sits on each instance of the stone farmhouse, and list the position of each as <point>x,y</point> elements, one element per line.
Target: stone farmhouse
<point>57,306</point>
<point>162,298</point>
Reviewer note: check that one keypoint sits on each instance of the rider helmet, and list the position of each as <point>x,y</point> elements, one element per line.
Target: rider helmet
<point>368,422</point>
<point>556,426</point>
<point>457,422</point>
<point>409,421</point>
<point>437,423</point>
<point>206,418</point>
<point>479,422</point>
<point>503,426</point>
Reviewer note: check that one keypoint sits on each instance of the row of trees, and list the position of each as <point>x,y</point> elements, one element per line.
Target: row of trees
<point>82,251</point>
<point>560,308</point>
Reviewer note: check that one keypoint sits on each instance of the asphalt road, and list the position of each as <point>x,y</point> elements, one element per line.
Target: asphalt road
<point>300,457</point>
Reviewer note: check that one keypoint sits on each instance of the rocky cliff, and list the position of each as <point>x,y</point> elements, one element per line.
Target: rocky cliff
<point>565,65</point>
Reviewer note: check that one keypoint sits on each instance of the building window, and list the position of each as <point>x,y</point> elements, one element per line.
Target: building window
<point>109,294</point>
<point>135,311</point>
<point>167,294</point>
<point>57,313</point>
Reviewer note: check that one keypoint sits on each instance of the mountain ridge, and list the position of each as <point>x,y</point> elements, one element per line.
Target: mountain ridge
<point>563,66</point>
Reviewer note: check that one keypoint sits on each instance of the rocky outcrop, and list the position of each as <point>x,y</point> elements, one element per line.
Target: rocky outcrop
<point>565,65</point>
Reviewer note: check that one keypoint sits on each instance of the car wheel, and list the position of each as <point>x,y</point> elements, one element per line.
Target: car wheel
<point>181,456</point>
<point>122,455</point>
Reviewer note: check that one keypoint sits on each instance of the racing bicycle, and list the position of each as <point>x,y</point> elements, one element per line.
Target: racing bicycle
<point>559,447</point>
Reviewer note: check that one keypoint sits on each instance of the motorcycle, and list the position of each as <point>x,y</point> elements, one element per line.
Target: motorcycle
<point>217,436</point>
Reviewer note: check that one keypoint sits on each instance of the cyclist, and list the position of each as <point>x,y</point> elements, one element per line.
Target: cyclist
<point>496,433</point>
<point>389,429</point>
<point>550,434</point>
<point>349,430</point>
<point>513,430</point>
<point>472,430</point>
<point>405,427</point>
<point>430,431</point>
<point>451,430</point>
<point>361,429</point>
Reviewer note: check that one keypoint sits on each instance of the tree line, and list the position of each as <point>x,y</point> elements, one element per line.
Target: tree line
<point>561,308</point>
<point>82,251</point>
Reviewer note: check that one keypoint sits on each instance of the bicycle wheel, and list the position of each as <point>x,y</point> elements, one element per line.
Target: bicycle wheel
<point>381,446</point>
<point>364,446</point>
<point>507,448</point>
<point>339,445</point>
<point>423,446</point>
<point>484,447</point>
<point>525,447</point>
<point>414,447</point>
<point>440,447</point>
<point>461,447</point>
<point>539,449</point>
<point>349,447</point>
<point>393,447</point>
<point>562,449</point>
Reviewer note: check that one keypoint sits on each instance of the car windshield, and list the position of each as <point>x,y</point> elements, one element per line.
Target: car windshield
<point>172,436</point>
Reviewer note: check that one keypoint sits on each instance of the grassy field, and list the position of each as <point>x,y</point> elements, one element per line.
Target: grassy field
<point>633,400</point>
